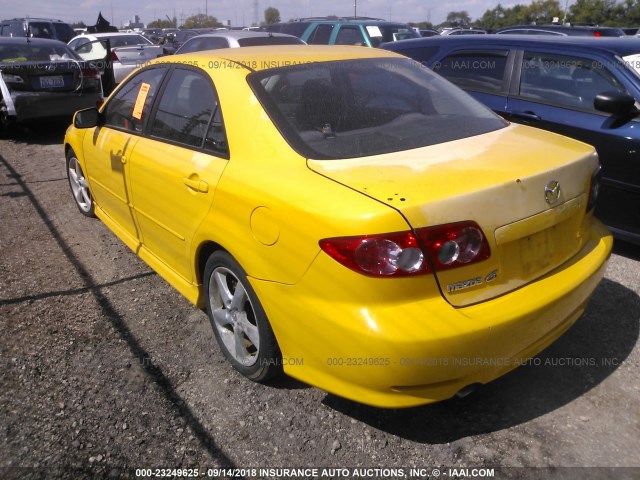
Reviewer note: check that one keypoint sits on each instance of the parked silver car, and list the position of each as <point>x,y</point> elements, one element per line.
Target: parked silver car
<point>128,50</point>
<point>236,38</point>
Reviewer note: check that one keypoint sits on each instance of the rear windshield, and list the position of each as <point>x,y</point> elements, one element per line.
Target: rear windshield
<point>128,40</point>
<point>357,108</point>
<point>258,41</point>
<point>30,52</point>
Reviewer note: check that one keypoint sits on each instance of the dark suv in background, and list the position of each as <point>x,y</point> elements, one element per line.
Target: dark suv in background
<point>582,87</point>
<point>361,31</point>
<point>37,27</point>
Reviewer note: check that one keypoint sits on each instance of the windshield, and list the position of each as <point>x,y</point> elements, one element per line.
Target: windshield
<point>32,52</point>
<point>357,108</point>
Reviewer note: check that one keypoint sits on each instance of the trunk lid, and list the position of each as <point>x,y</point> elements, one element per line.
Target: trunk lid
<point>496,179</point>
<point>62,76</point>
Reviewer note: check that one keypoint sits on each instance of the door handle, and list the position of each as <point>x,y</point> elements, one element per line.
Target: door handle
<point>527,116</point>
<point>196,184</point>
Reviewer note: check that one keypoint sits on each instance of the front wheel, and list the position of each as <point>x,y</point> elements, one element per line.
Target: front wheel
<point>238,320</point>
<point>79,185</point>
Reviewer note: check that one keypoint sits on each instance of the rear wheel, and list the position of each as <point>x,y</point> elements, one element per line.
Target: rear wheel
<point>79,185</point>
<point>238,320</point>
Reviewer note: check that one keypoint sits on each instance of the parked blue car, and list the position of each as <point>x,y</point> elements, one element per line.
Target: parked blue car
<point>583,87</point>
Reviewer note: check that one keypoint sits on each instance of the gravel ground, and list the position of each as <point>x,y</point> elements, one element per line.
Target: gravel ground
<point>106,369</point>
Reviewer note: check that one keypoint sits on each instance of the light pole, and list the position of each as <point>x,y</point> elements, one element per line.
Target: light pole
<point>355,9</point>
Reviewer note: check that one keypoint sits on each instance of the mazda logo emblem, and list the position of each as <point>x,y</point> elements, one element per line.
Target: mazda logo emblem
<point>552,192</point>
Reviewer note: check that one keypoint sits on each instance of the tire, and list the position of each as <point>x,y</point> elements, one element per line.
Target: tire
<point>239,321</point>
<point>79,186</point>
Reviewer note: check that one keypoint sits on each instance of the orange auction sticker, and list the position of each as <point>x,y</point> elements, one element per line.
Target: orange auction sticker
<point>142,97</point>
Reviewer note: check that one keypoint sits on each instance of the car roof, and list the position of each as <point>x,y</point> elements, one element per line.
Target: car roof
<point>30,40</point>
<point>111,34</point>
<point>240,34</point>
<point>559,28</point>
<point>284,55</point>
<point>616,45</point>
<point>31,19</point>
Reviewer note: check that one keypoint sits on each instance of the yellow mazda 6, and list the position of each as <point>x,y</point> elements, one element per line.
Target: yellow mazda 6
<point>345,216</point>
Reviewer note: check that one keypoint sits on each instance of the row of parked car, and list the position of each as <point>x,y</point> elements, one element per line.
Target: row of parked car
<point>583,86</point>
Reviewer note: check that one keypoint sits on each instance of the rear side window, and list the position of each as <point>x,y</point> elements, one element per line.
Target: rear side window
<point>477,71</point>
<point>188,113</point>
<point>357,108</point>
<point>41,30</point>
<point>321,35</point>
<point>294,28</point>
<point>63,31</point>
<point>130,105</point>
<point>568,81</point>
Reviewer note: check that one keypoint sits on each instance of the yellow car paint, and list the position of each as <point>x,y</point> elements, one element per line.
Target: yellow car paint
<point>386,342</point>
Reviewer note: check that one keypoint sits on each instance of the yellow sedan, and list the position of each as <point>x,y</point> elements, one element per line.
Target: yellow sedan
<point>345,216</point>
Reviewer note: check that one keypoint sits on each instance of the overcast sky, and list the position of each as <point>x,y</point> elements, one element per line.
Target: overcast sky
<point>240,12</point>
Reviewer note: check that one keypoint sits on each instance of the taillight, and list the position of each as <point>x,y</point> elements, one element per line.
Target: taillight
<point>455,244</point>
<point>596,33</point>
<point>402,254</point>
<point>91,73</point>
<point>393,254</point>
<point>114,57</point>
<point>594,189</point>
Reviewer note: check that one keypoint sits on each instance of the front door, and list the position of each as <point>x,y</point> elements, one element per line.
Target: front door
<point>556,93</point>
<point>176,168</point>
<point>108,149</point>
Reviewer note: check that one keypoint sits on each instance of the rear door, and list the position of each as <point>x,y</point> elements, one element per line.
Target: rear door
<point>556,92</point>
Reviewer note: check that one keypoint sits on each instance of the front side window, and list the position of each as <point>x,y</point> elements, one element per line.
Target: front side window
<point>129,107</point>
<point>350,36</point>
<point>188,113</point>
<point>357,108</point>
<point>571,82</point>
<point>478,71</point>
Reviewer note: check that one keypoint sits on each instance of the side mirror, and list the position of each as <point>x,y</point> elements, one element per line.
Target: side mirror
<point>620,104</point>
<point>87,118</point>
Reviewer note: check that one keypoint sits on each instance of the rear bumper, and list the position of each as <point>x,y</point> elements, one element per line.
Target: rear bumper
<point>379,343</point>
<point>41,105</point>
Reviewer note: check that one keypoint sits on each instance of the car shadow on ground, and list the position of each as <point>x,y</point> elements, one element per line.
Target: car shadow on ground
<point>581,359</point>
<point>628,250</point>
<point>42,133</point>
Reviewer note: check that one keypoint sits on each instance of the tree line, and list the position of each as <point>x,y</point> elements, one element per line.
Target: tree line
<point>623,13</point>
